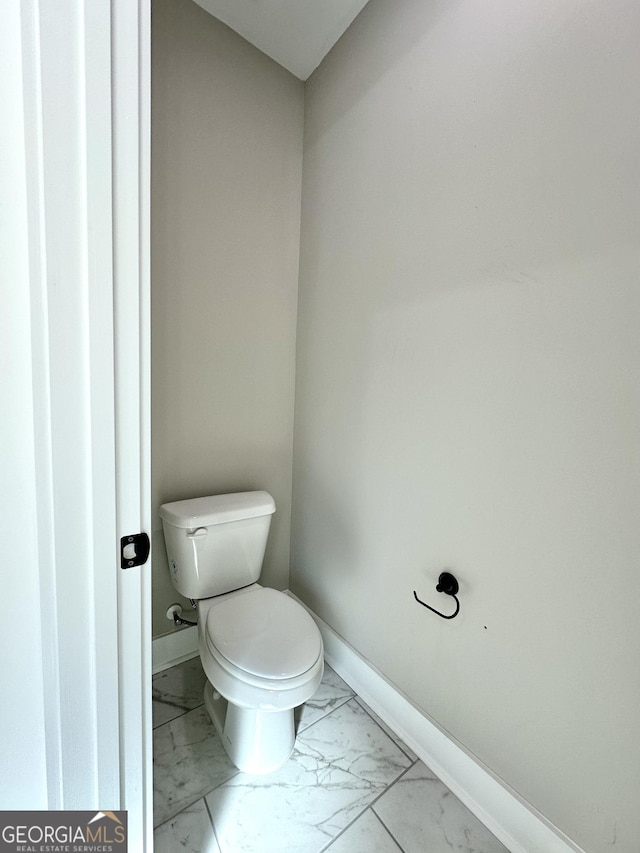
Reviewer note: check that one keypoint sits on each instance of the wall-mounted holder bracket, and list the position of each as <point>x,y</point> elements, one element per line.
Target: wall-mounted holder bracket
<point>447,584</point>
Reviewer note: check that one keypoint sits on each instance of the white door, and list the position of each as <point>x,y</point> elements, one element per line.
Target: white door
<point>74,202</point>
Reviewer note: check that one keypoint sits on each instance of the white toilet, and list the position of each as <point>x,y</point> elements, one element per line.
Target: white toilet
<point>261,651</point>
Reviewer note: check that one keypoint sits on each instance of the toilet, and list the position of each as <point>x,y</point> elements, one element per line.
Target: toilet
<point>261,651</point>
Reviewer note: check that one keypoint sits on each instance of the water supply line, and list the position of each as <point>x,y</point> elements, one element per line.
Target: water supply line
<point>174,613</point>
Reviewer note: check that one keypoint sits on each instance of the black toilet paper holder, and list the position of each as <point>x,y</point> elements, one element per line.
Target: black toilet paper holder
<point>447,584</point>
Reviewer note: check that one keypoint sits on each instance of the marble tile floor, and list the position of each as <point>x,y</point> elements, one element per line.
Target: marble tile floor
<point>351,786</point>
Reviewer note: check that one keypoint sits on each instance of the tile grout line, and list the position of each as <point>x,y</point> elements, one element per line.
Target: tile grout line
<point>355,820</point>
<point>184,711</point>
<point>386,828</point>
<point>324,716</point>
<point>386,790</point>
<point>213,825</point>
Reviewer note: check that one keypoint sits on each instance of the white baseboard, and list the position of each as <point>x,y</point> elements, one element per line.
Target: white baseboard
<point>520,827</point>
<point>174,648</point>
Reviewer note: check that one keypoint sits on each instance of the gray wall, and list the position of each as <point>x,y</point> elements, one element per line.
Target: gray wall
<point>226,172</point>
<point>467,382</point>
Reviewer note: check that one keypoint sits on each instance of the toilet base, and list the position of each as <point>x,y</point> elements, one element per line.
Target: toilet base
<point>256,741</point>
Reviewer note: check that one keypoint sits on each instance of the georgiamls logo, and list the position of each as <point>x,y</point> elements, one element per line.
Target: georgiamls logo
<point>63,831</point>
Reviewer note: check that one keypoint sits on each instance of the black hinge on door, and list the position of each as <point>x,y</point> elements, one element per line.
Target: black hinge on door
<point>134,550</point>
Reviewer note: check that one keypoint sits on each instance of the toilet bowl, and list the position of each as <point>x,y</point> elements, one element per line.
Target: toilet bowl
<point>263,657</point>
<point>261,651</point>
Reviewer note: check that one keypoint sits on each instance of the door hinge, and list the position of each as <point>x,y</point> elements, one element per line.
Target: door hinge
<point>134,550</point>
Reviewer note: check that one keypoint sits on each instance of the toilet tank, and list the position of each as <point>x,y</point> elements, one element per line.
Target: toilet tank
<point>216,544</point>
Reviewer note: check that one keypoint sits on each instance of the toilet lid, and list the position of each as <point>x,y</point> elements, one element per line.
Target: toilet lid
<point>265,633</point>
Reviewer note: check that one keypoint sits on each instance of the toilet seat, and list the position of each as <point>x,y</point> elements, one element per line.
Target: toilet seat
<point>264,634</point>
<point>245,630</point>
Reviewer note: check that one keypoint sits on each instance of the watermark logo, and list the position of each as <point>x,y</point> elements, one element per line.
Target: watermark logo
<point>63,832</point>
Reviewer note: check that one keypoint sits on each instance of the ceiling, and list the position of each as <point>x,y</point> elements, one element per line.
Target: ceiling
<point>298,34</point>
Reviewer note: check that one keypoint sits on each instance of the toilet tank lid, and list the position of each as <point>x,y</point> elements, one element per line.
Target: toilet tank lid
<point>217,509</point>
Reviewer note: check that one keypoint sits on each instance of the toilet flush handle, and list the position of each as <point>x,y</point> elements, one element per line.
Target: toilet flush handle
<point>198,533</point>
